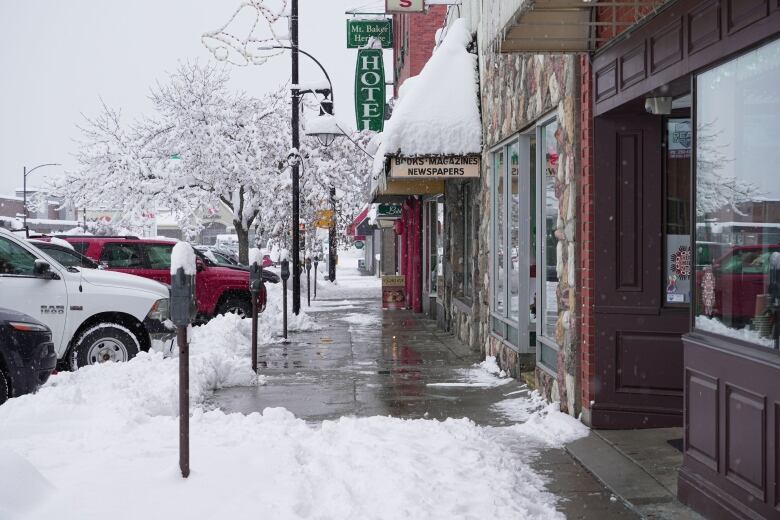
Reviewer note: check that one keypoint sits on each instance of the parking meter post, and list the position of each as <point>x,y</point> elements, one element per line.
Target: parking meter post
<point>316,262</point>
<point>255,288</point>
<point>285,276</point>
<point>308,281</point>
<point>183,309</point>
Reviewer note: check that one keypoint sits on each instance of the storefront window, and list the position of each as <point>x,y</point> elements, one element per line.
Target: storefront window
<point>738,198</point>
<point>550,246</point>
<point>499,275</point>
<point>677,228</point>
<point>514,231</point>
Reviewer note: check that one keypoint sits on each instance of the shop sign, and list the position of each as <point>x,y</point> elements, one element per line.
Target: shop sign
<point>325,223</point>
<point>359,244</point>
<point>393,292</point>
<point>404,6</point>
<point>370,90</point>
<point>359,31</point>
<point>389,210</point>
<point>455,167</point>
<point>679,138</point>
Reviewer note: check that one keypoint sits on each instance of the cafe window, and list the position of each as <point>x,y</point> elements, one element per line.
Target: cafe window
<point>514,260</point>
<point>737,164</point>
<point>548,247</point>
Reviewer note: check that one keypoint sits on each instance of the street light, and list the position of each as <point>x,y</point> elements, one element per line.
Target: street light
<point>24,192</point>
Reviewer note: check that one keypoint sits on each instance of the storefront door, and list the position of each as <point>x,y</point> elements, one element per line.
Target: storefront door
<point>639,355</point>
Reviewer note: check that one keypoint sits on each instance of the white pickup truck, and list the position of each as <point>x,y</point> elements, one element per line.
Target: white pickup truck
<point>95,316</point>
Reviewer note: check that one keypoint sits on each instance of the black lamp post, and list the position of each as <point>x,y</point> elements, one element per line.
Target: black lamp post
<point>325,138</point>
<point>24,190</point>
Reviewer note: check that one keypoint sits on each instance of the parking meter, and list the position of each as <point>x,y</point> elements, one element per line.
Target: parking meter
<point>285,276</point>
<point>308,281</point>
<point>182,296</point>
<point>255,280</point>
<point>316,262</point>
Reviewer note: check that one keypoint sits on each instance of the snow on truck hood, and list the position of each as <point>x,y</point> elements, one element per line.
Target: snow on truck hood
<point>123,281</point>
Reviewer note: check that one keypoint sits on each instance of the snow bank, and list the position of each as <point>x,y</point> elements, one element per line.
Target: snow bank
<point>486,374</point>
<point>21,485</point>
<point>183,256</point>
<point>551,427</point>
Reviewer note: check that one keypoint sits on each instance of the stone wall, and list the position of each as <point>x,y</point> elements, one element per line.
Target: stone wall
<point>516,91</point>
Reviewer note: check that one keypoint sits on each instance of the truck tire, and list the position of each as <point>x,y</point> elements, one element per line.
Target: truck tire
<point>104,343</point>
<point>4,393</point>
<point>236,305</point>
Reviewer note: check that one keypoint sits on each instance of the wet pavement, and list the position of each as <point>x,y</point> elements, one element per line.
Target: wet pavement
<point>364,361</point>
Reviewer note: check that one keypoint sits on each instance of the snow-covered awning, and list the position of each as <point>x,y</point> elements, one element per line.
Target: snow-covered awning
<point>436,115</point>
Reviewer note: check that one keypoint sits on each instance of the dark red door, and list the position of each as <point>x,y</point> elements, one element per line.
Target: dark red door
<point>639,356</point>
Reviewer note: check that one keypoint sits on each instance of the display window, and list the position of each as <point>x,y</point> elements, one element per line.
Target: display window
<point>737,198</point>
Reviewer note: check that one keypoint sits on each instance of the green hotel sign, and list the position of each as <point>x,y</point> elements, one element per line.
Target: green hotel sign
<point>359,31</point>
<point>370,90</point>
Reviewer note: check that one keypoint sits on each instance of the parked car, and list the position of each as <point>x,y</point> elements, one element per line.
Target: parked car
<point>64,254</point>
<point>95,316</point>
<point>27,355</point>
<point>219,289</point>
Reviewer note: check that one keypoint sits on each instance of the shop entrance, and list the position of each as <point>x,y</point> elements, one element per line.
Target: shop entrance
<point>642,264</point>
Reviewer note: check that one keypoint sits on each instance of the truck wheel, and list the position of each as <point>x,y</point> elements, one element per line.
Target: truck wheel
<point>104,343</point>
<point>3,387</point>
<point>236,305</point>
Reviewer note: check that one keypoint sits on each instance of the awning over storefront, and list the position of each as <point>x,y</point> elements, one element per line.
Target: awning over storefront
<point>567,25</point>
<point>435,132</point>
<point>360,223</point>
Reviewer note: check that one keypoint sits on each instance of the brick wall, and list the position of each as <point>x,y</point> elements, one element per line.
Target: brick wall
<point>414,37</point>
<point>622,15</point>
<point>587,332</point>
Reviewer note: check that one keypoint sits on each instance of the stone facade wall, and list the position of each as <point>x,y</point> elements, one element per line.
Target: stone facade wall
<point>516,91</point>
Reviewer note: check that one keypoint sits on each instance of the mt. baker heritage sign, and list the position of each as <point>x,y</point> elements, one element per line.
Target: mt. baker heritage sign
<point>359,31</point>
<point>370,90</point>
<point>456,166</point>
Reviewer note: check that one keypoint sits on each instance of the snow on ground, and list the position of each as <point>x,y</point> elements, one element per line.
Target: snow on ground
<point>103,443</point>
<point>360,319</point>
<point>486,374</point>
<point>350,283</point>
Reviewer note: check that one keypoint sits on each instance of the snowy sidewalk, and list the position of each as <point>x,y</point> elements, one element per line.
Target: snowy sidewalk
<point>366,362</point>
<point>364,415</point>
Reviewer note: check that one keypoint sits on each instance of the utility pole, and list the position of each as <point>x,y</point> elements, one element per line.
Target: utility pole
<point>296,144</point>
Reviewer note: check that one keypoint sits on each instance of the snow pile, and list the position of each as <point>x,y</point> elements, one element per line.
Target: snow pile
<point>21,485</point>
<point>551,427</point>
<point>437,112</point>
<point>183,256</point>
<point>486,374</point>
<point>520,409</point>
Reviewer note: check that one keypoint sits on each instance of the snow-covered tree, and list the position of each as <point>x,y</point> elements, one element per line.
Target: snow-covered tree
<point>205,145</point>
<point>715,189</point>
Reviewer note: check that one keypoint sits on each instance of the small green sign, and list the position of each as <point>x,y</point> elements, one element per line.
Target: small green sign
<point>359,244</point>
<point>388,210</point>
<point>370,90</point>
<point>359,31</point>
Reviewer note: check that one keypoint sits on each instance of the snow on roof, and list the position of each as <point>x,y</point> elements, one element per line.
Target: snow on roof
<point>43,221</point>
<point>437,112</point>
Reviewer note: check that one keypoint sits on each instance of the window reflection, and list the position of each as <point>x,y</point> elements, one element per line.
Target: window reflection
<point>738,197</point>
<point>551,253</point>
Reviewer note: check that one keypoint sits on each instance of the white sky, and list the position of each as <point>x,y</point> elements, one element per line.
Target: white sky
<point>57,59</point>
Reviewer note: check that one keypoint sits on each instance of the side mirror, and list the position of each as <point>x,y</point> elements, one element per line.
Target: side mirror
<point>42,269</point>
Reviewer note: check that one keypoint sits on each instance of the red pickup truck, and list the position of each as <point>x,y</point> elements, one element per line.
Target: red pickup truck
<point>219,289</point>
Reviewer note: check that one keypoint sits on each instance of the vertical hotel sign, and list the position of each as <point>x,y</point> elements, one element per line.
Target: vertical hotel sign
<point>370,90</point>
